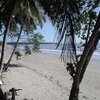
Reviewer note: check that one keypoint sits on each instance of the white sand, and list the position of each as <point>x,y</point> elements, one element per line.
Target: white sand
<point>44,77</point>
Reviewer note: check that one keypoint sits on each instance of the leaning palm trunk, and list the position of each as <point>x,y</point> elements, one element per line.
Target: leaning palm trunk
<point>76,82</point>
<point>7,64</point>
<point>89,56</point>
<point>8,18</point>
<point>3,45</point>
<point>2,57</point>
<point>5,32</point>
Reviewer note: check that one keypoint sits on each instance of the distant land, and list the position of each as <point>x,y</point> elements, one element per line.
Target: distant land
<point>21,43</point>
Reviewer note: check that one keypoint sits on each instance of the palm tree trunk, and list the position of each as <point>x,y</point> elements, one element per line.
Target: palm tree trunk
<point>89,57</point>
<point>2,54</point>
<point>73,91</point>
<point>76,82</point>
<point>7,64</point>
<point>5,33</point>
<point>3,44</point>
<point>4,38</point>
<point>91,52</point>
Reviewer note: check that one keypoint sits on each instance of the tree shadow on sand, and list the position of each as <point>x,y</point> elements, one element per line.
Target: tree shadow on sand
<point>11,66</point>
<point>14,65</point>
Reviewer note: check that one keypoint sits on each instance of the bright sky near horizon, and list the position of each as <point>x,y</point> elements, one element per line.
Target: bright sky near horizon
<point>48,31</point>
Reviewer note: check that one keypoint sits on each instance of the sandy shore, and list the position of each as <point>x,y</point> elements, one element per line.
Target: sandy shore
<point>44,77</point>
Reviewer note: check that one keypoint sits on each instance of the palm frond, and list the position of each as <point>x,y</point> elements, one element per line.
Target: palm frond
<point>25,12</point>
<point>64,14</point>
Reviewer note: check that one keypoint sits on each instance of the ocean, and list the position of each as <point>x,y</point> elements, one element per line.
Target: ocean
<point>50,48</point>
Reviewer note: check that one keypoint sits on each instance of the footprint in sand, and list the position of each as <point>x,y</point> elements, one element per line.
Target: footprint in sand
<point>58,83</point>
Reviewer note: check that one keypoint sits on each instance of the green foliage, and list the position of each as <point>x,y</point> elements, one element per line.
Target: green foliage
<point>85,27</point>
<point>85,19</point>
<point>36,39</point>
<point>88,19</point>
<point>37,42</point>
<point>25,12</point>
<point>27,50</point>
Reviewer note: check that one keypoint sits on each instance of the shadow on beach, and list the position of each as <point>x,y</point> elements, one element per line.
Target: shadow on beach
<point>14,65</point>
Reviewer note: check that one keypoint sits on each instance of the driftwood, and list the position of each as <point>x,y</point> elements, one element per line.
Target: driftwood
<point>8,95</point>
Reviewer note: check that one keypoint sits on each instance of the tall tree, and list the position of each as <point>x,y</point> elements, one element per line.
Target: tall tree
<point>88,51</point>
<point>70,17</point>
<point>6,21</point>
<point>15,46</point>
<point>18,13</point>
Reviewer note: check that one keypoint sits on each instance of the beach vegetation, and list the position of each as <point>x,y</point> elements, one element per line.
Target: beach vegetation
<point>37,39</point>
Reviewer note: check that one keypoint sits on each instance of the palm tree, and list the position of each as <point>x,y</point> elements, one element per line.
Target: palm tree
<point>6,20</point>
<point>84,60</point>
<point>22,12</point>
<point>27,14</point>
<point>7,64</point>
<point>17,13</point>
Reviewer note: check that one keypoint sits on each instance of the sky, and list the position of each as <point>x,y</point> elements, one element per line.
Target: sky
<point>48,31</point>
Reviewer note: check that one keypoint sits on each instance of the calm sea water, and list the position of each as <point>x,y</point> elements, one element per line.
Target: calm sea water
<point>50,48</point>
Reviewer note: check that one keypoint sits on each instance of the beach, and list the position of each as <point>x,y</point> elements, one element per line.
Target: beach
<point>44,77</point>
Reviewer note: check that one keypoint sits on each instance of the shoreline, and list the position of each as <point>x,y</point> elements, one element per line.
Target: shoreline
<point>54,51</point>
